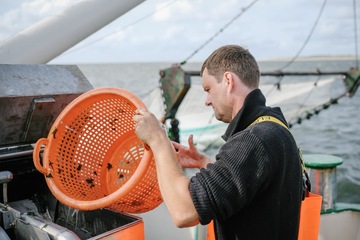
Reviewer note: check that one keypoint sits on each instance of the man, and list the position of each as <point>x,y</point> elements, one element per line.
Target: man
<point>254,188</point>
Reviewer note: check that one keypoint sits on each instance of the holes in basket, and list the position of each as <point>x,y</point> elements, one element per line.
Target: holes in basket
<point>86,141</point>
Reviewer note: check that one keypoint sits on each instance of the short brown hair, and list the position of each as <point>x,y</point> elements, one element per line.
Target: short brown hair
<point>234,59</point>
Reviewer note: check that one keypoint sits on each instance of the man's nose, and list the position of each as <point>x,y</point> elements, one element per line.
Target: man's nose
<point>207,102</point>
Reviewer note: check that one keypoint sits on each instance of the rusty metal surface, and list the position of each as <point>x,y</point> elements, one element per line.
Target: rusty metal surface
<point>38,118</point>
<point>174,83</point>
<point>26,113</point>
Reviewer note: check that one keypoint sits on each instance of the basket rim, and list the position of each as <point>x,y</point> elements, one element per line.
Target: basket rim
<point>106,200</point>
<point>111,198</point>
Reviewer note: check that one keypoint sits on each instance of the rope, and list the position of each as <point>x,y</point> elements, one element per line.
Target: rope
<point>355,36</point>
<point>316,110</point>
<point>307,39</point>
<point>307,97</point>
<point>278,84</point>
<point>243,10</point>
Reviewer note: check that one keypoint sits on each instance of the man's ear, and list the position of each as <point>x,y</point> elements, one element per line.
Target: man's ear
<point>229,80</point>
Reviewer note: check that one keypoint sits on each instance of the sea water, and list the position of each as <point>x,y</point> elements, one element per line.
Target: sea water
<point>334,131</point>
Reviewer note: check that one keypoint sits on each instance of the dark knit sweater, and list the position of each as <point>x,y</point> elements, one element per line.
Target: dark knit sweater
<point>253,190</point>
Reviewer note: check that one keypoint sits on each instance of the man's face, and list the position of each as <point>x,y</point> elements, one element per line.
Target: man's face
<point>217,96</point>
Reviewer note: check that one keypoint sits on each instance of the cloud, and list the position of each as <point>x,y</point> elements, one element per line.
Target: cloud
<point>162,12</point>
<point>276,28</point>
<point>43,8</point>
<point>14,20</point>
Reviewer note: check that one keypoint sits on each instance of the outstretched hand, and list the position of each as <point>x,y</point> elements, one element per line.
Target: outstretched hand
<point>189,157</point>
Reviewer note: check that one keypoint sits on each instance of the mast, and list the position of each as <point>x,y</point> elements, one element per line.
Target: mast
<point>52,36</point>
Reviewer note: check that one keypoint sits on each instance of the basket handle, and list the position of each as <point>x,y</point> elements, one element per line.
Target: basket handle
<point>36,154</point>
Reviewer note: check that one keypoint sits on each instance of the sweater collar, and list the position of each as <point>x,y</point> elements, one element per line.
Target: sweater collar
<point>254,107</point>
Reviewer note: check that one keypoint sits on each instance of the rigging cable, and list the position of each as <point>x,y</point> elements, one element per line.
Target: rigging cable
<point>121,29</point>
<point>307,97</point>
<point>307,39</point>
<point>335,100</point>
<point>218,32</point>
<point>316,110</point>
<point>243,10</point>
<point>355,36</point>
<point>301,48</point>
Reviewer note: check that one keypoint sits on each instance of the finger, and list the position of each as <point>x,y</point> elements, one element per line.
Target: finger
<point>176,145</point>
<point>176,148</point>
<point>137,111</point>
<point>191,141</point>
<point>147,147</point>
<point>136,118</point>
<point>140,111</point>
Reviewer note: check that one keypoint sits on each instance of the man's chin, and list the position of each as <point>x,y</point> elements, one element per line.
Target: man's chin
<point>221,119</point>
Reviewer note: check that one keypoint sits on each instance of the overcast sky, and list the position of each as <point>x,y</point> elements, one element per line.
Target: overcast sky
<point>171,30</point>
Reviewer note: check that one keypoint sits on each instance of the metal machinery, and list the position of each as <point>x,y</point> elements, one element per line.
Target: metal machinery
<point>31,97</point>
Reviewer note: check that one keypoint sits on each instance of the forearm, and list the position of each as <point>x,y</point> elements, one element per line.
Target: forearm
<point>174,185</point>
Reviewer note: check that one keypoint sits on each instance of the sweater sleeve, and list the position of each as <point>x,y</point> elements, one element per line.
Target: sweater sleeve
<point>239,174</point>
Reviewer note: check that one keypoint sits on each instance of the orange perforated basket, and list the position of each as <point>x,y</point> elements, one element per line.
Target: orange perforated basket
<point>93,159</point>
